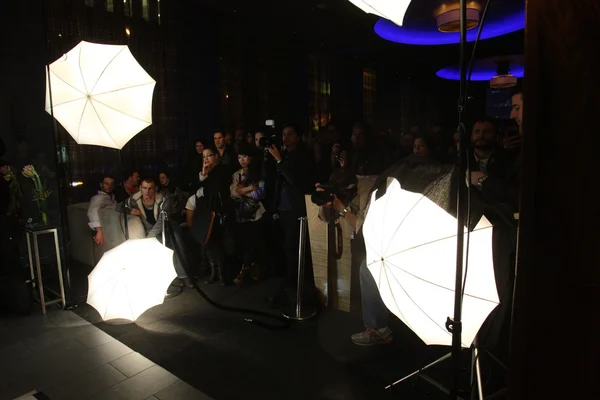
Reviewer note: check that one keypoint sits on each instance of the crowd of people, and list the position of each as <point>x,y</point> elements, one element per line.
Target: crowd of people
<point>242,195</point>
<point>236,208</point>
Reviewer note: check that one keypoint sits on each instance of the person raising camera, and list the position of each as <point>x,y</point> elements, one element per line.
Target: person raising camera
<point>291,182</point>
<point>375,313</point>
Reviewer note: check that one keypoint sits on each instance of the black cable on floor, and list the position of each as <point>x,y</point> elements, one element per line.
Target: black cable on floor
<point>178,251</point>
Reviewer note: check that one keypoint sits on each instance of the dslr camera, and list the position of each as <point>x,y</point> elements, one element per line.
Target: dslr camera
<point>270,137</point>
<point>342,183</point>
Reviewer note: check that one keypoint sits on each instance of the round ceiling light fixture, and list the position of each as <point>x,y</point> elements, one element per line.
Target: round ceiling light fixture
<point>421,27</point>
<point>504,79</point>
<point>448,16</point>
<point>501,72</point>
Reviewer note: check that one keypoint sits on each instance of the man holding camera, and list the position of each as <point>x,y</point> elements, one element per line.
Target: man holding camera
<point>375,313</point>
<point>291,184</point>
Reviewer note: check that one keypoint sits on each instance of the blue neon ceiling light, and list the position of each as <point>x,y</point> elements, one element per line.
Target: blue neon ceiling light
<point>480,73</point>
<point>430,37</point>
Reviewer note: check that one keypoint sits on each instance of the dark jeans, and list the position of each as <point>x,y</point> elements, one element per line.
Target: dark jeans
<point>248,238</point>
<point>375,313</point>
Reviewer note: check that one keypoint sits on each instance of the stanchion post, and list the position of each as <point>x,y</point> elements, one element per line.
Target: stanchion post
<point>300,313</point>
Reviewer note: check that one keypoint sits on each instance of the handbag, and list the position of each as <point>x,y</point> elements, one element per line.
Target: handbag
<point>246,207</point>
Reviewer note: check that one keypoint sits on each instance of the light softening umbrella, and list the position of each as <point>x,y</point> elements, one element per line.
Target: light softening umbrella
<point>100,94</point>
<point>393,10</point>
<point>411,252</point>
<point>130,279</point>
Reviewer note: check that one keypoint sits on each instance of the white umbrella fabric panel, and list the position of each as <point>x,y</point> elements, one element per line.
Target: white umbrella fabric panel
<point>393,10</point>
<point>100,94</point>
<point>131,278</point>
<point>411,252</point>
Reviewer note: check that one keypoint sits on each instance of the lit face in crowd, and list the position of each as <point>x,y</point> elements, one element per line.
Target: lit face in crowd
<point>517,110</point>
<point>148,190</point>
<point>199,147</point>
<point>290,137</point>
<point>219,140</point>
<point>483,135</point>
<point>420,148</point>
<point>210,159</point>
<point>244,160</point>
<point>257,137</point>
<point>107,185</point>
<point>163,179</point>
<point>135,178</point>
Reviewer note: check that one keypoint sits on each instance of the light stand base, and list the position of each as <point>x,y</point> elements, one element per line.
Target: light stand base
<point>299,315</point>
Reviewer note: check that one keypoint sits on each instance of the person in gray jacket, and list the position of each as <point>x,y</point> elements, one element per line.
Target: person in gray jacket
<point>147,204</point>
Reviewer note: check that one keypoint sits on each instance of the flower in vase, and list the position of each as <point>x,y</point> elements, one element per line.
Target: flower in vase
<point>29,171</point>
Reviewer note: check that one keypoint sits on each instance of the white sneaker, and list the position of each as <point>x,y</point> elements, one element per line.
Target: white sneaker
<point>372,337</point>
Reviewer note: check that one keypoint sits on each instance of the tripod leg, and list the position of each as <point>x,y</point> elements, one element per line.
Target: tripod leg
<point>439,360</point>
<point>476,373</point>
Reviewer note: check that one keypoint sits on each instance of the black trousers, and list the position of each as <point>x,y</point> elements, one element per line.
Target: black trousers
<point>495,331</point>
<point>248,241</point>
<point>215,248</point>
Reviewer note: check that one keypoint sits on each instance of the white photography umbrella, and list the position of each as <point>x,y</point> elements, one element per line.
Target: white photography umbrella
<point>100,94</point>
<point>411,252</point>
<point>130,279</point>
<point>394,10</point>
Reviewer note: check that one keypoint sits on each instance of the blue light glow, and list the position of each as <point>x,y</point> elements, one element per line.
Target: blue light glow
<point>429,37</point>
<point>483,73</point>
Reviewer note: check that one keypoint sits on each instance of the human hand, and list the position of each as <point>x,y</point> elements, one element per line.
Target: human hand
<point>512,142</point>
<point>337,204</point>
<point>99,238</point>
<point>342,159</point>
<point>475,175</point>
<point>274,151</point>
<point>135,211</point>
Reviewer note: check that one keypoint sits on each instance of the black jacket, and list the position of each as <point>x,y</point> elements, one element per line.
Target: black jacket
<point>500,191</point>
<point>293,172</point>
<point>216,190</point>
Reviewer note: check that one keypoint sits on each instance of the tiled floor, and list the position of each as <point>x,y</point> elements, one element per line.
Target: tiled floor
<point>66,357</point>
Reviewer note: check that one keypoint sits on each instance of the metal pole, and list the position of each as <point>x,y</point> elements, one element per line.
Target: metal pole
<point>301,249</point>
<point>298,312</point>
<point>61,171</point>
<point>455,325</point>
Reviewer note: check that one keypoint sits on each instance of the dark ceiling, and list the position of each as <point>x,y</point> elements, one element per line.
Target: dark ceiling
<point>337,26</point>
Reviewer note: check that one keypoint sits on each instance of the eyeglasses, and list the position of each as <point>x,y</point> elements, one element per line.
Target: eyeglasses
<point>107,183</point>
<point>208,155</point>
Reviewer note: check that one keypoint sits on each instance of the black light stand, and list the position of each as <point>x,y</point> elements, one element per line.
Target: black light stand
<point>454,325</point>
<point>69,299</point>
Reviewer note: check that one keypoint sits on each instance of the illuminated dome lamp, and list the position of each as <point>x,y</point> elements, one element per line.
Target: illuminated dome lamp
<point>448,16</point>
<point>504,79</point>
<point>420,27</point>
<point>499,71</point>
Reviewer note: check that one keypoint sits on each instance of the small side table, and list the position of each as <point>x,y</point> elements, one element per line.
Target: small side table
<point>32,232</point>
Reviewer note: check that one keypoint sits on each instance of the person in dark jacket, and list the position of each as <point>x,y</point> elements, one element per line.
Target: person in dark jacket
<point>193,167</point>
<point>215,179</point>
<point>498,185</point>
<point>292,182</point>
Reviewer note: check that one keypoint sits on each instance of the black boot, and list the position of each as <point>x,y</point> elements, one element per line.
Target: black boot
<point>214,273</point>
<point>222,276</point>
<point>239,279</point>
